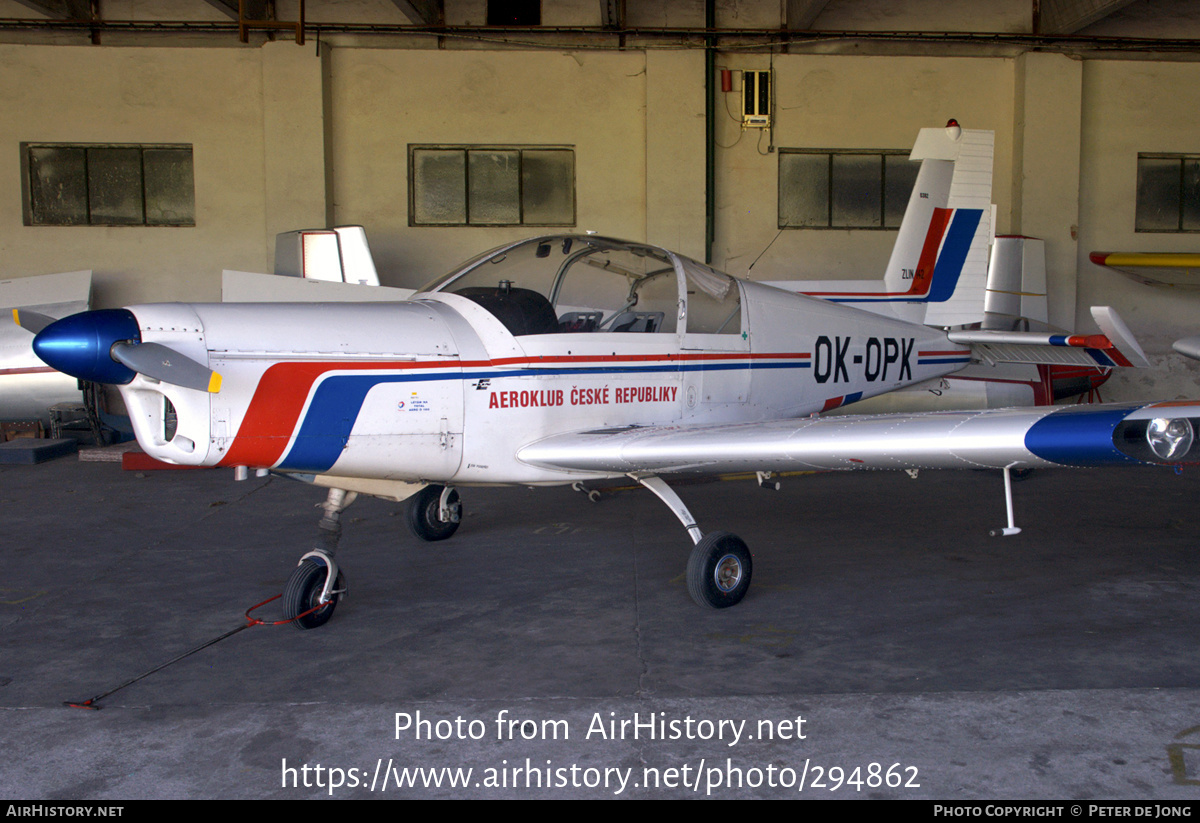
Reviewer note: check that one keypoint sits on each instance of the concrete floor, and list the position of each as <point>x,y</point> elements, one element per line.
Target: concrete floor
<point>1059,664</point>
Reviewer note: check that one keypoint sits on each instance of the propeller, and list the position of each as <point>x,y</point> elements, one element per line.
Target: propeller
<point>105,346</point>
<point>31,321</point>
<point>163,363</point>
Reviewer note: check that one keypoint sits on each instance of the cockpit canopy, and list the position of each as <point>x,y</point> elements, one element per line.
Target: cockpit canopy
<point>588,284</point>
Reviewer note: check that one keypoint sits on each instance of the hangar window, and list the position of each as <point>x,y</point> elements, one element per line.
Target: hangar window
<point>1168,193</point>
<point>491,186</point>
<point>72,184</point>
<point>844,189</point>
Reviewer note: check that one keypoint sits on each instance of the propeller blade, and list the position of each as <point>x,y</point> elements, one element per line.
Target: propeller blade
<point>162,363</point>
<point>31,321</point>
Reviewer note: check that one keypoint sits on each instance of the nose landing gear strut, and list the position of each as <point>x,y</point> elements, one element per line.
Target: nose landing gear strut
<point>317,581</point>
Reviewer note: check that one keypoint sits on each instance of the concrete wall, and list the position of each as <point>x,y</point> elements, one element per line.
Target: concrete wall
<point>1047,91</point>
<point>1131,107</point>
<point>675,195</point>
<point>825,102</point>
<point>385,100</point>
<point>211,98</point>
<point>285,139</point>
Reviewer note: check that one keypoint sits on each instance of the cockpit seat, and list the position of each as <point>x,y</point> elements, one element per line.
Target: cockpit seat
<point>637,321</point>
<point>580,321</point>
<point>522,311</point>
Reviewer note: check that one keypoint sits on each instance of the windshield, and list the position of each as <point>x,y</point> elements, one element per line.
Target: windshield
<point>574,283</point>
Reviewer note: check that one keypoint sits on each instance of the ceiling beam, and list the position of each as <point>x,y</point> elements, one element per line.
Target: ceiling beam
<point>60,9</point>
<point>423,12</point>
<point>801,14</point>
<point>1070,16</point>
<point>227,7</point>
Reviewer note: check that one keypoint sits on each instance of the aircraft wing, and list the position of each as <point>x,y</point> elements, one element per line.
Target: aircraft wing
<point>28,387</point>
<point>1171,269</point>
<point>1082,435</point>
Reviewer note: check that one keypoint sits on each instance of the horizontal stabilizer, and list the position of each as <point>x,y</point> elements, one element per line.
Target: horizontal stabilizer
<point>1122,338</point>
<point>1116,347</point>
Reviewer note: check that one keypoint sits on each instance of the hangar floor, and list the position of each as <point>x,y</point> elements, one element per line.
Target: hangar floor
<point>1060,663</point>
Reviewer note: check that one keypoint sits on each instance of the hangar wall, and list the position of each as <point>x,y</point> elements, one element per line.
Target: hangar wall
<point>284,137</point>
<point>1130,107</point>
<point>229,104</point>
<point>384,100</point>
<point>843,102</point>
<point>1045,169</point>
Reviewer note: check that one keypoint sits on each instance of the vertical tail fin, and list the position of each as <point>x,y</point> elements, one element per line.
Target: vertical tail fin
<point>941,253</point>
<point>937,273</point>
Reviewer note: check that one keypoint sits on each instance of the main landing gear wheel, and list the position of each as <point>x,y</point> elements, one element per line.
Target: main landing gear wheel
<point>718,570</point>
<point>423,512</point>
<point>303,592</point>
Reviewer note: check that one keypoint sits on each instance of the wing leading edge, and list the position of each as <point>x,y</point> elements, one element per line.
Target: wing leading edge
<point>1085,435</point>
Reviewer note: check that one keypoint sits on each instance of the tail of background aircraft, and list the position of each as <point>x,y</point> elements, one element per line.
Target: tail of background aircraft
<point>937,274</point>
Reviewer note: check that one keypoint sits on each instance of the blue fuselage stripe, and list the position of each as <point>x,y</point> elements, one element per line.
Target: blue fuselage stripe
<point>946,270</point>
<point>338,399</point>
<point>950,261</point>
<point>927,361</point>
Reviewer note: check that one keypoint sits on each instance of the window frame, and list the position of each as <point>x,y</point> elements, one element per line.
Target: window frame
<point>466,149</point>
<point>1181,200</point>
<point>831,154</point>
<point>29,212</point>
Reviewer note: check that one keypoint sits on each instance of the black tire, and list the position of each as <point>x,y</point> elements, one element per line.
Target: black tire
<point>423,514</point>
<point>718,570</point>
<point>303,591</point>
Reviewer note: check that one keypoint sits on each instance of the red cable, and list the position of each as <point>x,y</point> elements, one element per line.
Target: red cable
<point>90,703</point>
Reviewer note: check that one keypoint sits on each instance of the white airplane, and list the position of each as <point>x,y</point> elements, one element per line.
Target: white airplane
<point>570,358</point>
<point>28,387</point>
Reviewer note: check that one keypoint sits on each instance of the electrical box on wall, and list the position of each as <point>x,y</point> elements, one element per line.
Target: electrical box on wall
<point>756,99</point>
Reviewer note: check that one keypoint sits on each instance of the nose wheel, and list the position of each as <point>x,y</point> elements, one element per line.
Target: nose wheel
<point>306,592</point>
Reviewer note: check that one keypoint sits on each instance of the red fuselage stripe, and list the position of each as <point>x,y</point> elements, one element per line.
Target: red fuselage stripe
<point>283,389</point>
<point>923,277</point>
